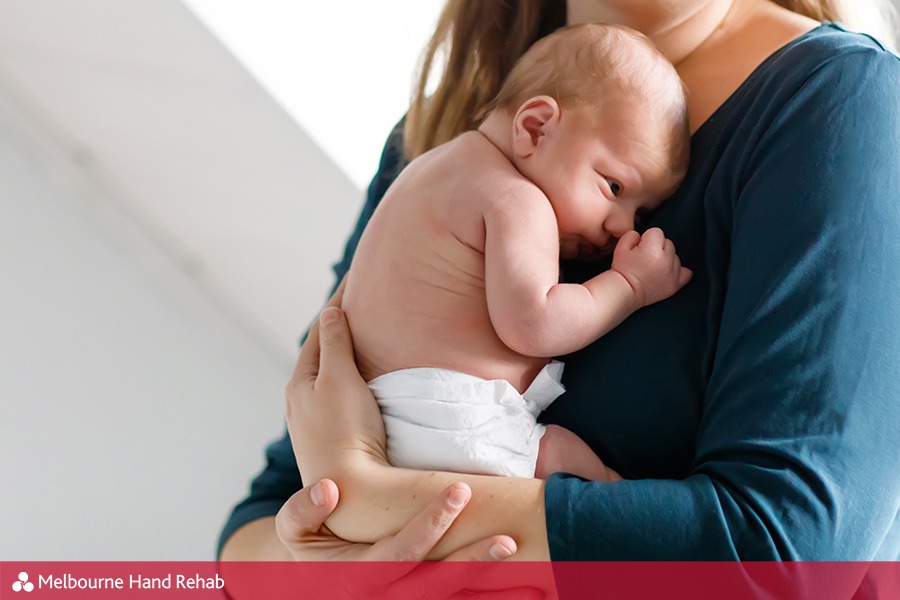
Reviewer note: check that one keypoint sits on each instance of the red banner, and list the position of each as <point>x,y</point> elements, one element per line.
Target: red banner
<point>327,581</point>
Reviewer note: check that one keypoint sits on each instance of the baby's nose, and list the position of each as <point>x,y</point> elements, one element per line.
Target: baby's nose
<point>619,223</point>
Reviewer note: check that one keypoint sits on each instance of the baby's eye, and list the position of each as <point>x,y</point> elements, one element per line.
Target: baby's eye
<point>614,187</point>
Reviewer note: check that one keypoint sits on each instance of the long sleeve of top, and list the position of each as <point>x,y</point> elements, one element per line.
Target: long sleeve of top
<point>756,413</point>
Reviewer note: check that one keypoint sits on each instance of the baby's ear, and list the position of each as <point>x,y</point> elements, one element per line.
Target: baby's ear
<point>536,118</point>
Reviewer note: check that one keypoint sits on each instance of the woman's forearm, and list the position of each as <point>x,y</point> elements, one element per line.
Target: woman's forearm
<point>257,540</point>
<point>377,500</point>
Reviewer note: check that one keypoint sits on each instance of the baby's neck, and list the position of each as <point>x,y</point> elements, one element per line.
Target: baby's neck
<point>496,128</point>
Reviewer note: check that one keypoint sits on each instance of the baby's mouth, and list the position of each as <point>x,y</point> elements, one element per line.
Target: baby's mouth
<point>578,248</point>
<point>607,248</point>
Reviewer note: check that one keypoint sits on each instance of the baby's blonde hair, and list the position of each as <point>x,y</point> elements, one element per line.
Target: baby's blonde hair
<point>600,65</point>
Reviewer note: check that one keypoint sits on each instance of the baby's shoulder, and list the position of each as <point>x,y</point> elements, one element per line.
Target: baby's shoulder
<point>484,176</point>
<point>502,189</point>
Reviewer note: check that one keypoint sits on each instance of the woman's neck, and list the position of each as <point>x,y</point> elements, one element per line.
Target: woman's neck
<point>714,44</point>
<point>677,28</point>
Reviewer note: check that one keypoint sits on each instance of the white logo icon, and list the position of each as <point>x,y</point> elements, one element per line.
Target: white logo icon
<point>23,583</point>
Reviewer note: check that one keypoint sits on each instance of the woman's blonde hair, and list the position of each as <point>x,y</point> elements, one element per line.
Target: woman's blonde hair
<point>875,17</point>
<point>481,40</point>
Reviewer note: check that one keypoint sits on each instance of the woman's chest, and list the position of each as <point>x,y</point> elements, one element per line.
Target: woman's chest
<point>636,395</point>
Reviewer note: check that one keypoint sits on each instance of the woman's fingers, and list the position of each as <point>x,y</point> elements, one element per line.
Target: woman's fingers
<point>338,296</point>
<point>424,531</point>
<point>307,367</point>
<point>328,350</point>
<point>467,565</point>
<point>305,512</point>
<point>336,361</point>
<point>412,544</point>
<point>498,547</point>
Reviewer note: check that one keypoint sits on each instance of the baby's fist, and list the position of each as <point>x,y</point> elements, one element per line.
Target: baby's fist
<point>649,263</point>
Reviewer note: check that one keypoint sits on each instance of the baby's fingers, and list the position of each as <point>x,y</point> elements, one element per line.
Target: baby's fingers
<point>625,246</point>
<point>628,241</point>
<point>669,247</point>
<point>654,238</point>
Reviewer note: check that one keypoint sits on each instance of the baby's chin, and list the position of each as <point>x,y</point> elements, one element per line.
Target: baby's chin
<point>575,247</point>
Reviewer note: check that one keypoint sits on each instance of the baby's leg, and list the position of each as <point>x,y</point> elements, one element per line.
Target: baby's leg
<point>562,450</point>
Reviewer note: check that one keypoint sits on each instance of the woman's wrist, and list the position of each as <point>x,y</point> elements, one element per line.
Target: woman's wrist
<point>341,462</point>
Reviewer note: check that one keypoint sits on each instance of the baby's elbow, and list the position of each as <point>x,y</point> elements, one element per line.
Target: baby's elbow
<point>524,333</point>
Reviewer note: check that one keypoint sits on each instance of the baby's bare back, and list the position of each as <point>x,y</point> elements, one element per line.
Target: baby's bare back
<point>415,293</point>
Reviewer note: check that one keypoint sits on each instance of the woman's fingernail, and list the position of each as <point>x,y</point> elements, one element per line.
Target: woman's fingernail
<point>499,551</point>
<point>317,495</point>
<point>329,315</point>
<point>458,497</point>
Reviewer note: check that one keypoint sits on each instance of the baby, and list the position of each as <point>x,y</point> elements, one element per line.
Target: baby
<point>453,296</point>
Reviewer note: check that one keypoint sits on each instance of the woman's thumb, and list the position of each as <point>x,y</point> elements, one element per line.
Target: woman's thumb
<point>306,511</point>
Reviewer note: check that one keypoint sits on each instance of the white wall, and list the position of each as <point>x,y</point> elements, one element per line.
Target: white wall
<point>145,99</point>
<point>166,236</point>
<point>343,70</point>
<point>131,408</point>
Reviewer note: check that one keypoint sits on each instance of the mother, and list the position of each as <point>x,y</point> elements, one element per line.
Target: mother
<point>755,414</point>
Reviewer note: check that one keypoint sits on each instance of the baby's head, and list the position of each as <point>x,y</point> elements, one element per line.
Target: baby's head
<point>599,122</point>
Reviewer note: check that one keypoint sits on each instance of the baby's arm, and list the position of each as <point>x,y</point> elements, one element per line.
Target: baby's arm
<point>536,315</point>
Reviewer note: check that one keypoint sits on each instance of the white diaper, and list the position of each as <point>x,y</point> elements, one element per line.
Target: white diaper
<point>450,421</point>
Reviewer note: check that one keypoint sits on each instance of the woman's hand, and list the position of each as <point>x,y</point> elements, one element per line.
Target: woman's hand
<point>337,433</point>
<point>300,526</point>
<point>333,419</point>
